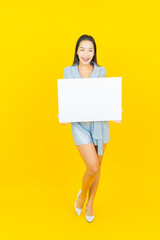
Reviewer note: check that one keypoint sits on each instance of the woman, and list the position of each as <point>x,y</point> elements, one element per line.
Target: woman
<point>90,137</point>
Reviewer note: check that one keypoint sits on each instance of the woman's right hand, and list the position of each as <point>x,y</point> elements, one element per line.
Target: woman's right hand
<point>65,123</point>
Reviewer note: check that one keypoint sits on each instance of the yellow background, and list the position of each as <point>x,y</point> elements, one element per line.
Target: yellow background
<point>40,168</point>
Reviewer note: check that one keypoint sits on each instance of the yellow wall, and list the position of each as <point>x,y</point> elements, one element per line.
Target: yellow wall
<point>40,168</point>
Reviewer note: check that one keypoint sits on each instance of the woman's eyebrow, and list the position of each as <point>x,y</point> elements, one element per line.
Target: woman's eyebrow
<point>88,48</point>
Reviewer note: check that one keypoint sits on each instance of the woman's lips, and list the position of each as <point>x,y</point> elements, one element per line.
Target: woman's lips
<point>85,59</point>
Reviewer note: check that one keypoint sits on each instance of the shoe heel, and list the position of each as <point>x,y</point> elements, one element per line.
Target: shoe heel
<point>78,210</point>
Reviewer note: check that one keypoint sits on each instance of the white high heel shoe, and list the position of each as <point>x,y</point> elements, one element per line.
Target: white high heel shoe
<point>78,210</point>
<point>89,218</point>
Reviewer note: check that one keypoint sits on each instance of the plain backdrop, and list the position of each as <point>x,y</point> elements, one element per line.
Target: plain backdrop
<point>41,170</point>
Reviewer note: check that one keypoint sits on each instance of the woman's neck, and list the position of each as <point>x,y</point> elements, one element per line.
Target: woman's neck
<point>84,67</point>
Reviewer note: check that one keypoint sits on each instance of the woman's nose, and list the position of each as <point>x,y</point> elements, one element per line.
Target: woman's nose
<point>86,54</point>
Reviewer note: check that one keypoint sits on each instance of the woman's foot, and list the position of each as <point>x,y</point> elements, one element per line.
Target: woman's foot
<point>89,209</point>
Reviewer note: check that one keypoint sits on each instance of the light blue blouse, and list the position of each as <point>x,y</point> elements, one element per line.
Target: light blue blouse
<point>98,71</point>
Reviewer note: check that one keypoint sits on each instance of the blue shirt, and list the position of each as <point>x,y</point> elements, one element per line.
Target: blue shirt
<point>98,71</point>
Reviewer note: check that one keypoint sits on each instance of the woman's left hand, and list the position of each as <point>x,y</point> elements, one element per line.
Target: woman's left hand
<point>117,121</point>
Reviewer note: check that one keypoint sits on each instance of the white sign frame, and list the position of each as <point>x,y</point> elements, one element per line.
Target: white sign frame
<point>90,99</point>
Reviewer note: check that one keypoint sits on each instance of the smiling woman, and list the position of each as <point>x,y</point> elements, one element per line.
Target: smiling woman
<point>90,138</point>
<point>85,52</point>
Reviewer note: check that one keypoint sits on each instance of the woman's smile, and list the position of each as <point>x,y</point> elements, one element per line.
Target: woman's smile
<point>85,59</point>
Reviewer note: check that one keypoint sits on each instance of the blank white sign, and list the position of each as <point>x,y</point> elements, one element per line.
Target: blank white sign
<point>90,99</point>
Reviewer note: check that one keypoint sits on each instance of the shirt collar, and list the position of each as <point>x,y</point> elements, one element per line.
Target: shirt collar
<point>94,72</point>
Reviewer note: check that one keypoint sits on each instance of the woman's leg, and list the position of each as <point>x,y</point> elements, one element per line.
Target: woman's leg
<point>94,186</point>
<point>90,158</point>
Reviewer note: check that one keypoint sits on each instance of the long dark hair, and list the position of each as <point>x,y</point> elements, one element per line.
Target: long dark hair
<point>90,38</point>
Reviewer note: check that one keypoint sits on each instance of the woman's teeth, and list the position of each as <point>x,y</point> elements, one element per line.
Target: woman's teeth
<point>85,59</point>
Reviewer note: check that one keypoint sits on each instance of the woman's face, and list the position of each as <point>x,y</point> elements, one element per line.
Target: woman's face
<point>85,51</point>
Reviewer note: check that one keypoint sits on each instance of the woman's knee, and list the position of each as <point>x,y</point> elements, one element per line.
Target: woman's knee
<point>94,169</point>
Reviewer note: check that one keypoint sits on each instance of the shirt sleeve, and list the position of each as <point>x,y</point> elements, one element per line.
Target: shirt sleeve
<point>65,73</point>
<point>103,73</point>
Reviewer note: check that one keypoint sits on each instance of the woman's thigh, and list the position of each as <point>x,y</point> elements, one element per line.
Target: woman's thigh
<point>89,155</point>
